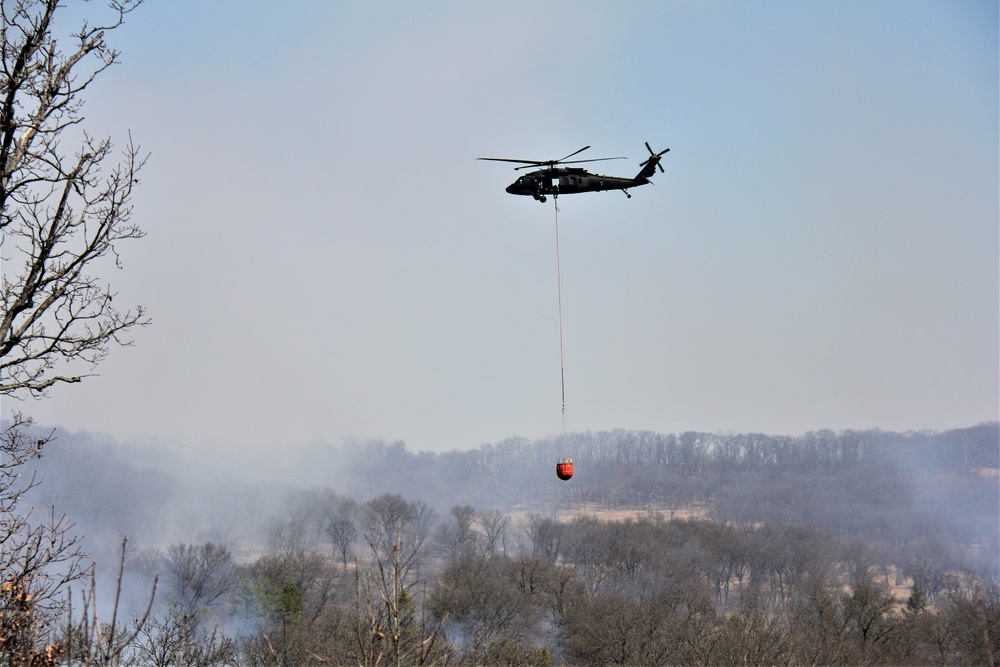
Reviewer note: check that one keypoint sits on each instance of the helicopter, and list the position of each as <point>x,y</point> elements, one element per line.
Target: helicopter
<point>553,179</point>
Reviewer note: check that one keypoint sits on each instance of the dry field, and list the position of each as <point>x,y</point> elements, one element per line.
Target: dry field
<point>620,515</point>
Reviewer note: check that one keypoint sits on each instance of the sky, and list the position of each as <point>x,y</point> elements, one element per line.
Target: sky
<point>325,258</point>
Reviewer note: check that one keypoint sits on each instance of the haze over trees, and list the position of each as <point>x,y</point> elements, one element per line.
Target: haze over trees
<point>857,547</point>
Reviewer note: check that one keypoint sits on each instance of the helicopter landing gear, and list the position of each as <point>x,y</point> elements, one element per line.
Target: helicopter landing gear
<point>540,198</point>
<point>627,193</point>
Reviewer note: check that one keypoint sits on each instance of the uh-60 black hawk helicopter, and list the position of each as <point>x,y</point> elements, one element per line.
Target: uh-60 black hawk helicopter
<point>555,180</point>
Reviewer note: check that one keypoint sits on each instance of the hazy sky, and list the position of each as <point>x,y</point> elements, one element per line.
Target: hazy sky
<point>325,258</point>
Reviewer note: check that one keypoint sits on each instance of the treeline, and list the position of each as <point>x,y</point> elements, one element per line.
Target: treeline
<point>625,468</point>
<point>849,548</point>
<point>388,581</point>
<point>933,497</point>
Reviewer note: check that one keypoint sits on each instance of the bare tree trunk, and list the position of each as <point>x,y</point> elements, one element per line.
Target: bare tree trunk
<point>981,613</point>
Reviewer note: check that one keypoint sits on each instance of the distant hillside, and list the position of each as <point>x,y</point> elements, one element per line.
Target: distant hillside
<point>902,491</point>
<point>869,544</point>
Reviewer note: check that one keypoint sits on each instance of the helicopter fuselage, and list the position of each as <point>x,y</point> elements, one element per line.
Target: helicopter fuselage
<point>569,180</point>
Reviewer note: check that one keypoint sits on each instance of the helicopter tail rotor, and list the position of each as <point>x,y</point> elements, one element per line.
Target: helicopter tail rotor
<point>654,157</point>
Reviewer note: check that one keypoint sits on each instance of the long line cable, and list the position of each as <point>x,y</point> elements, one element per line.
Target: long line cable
<point>562,367</point>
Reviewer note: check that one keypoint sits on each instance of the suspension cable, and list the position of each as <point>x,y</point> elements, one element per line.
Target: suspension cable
<point>562,372</point>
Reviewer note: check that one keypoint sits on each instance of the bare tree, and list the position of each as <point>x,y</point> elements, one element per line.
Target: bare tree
<point>545,535</point>
<point>61,210</point>
<point>481,597</point>
<point>88,642</point>
<point>285,537</point>
<point>867,609</point>
<point>39,557</point>
<point>494,524</point>
<point>176,640</point>
<point>457,538</point>
<point>341,526</point>
<point>64,206</point>
<point>199,575</point>
<point>396,530</point>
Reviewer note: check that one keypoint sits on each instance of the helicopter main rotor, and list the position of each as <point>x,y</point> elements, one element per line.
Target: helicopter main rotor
<point>527,164</point>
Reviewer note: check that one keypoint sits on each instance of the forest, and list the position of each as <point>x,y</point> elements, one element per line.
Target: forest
<point>829,548</point>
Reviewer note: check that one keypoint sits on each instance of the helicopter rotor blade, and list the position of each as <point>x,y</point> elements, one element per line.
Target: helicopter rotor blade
<point>652,152</point>
<point>572,154</point>
<point>594,159</point>
<point>507,159</point>
<point>662,170</point>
